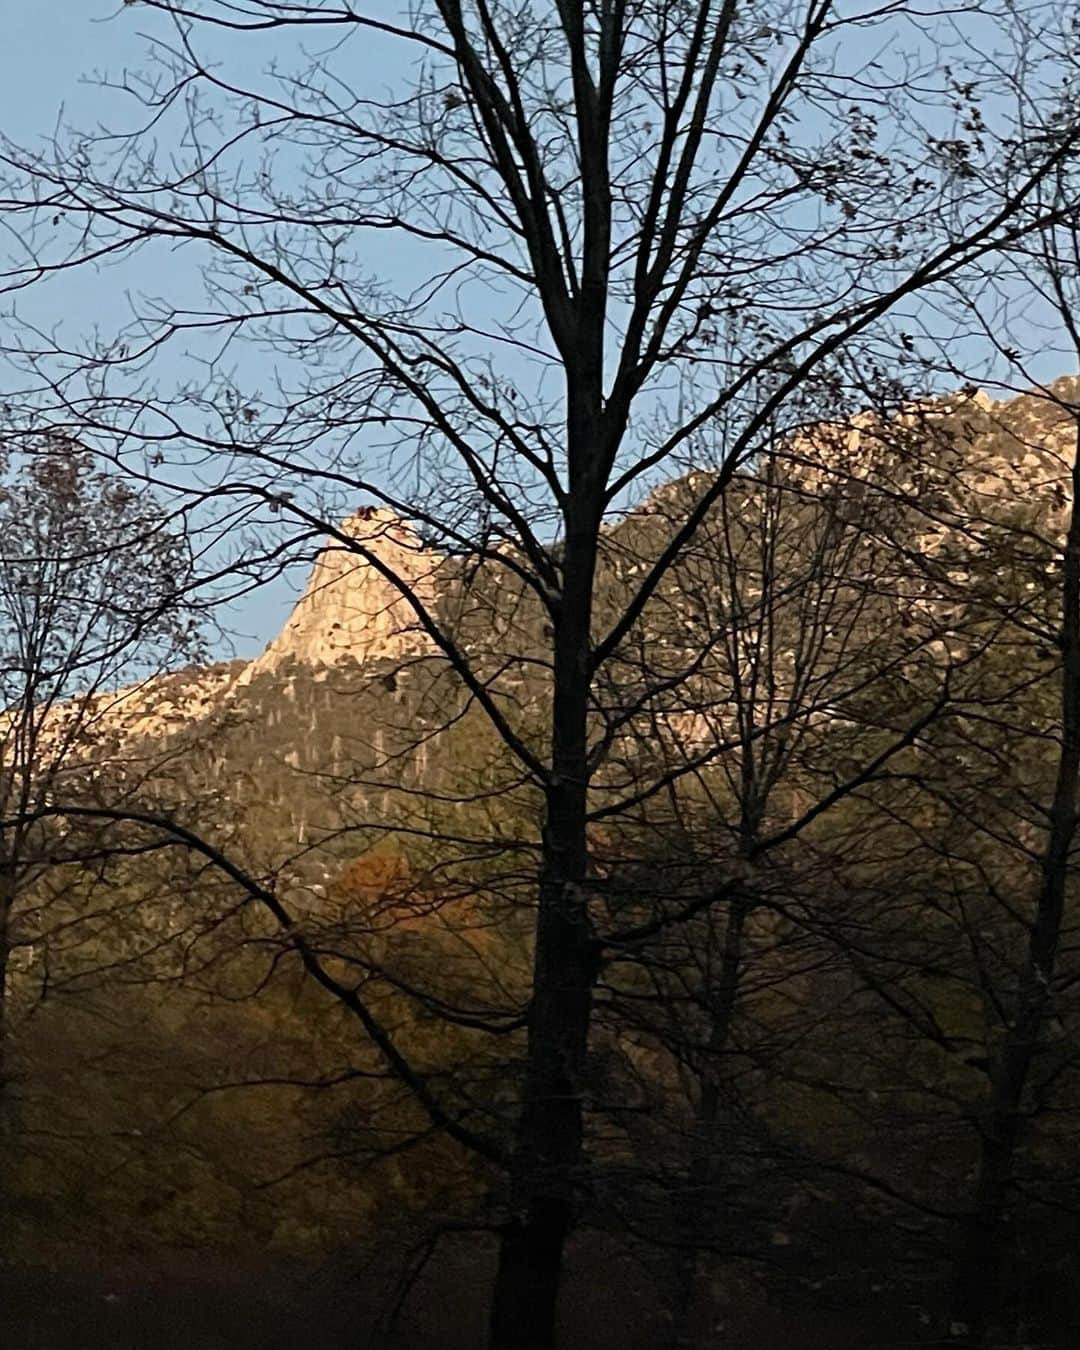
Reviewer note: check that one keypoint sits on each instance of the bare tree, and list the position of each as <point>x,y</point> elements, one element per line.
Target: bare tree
<point>93,598</point>
<point>946,884</point>
<point>637,239</point>
<point>1025,989</point>
<point>803,600</point>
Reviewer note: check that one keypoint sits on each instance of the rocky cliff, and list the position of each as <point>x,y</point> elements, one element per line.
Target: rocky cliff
<point>349,607</point>
<point>959,461</point>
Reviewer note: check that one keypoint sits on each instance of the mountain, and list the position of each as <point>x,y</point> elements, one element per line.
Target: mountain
<point>351,700</point>
<point>852,547</point>
<point>349,609</point>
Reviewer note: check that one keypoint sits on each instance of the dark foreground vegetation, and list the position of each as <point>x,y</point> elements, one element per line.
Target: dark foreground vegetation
<point>633,901</point>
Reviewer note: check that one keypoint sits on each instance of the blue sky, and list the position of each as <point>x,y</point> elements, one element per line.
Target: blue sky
<point>50,51</point>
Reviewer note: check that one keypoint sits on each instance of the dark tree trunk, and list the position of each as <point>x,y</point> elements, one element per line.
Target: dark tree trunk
<point>547,1167</point>
<point>696,1216</point>
<point>7,896</point>
<point>984,1239</point>
<point>547,1173</point>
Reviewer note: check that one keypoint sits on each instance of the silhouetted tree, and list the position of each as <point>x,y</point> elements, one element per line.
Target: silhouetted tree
<point>93,597</point>
<point>636,240</point>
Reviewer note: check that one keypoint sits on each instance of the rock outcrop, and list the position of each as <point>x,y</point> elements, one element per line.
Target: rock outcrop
<point>960,460</point>
<point>352,609</point>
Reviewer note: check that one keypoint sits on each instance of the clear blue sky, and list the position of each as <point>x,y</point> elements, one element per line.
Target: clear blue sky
<point>53,54</point>
<point>50,51</point>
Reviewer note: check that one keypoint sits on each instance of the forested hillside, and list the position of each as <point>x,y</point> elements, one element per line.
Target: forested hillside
<point>631,901</point>
<point>812,860</point>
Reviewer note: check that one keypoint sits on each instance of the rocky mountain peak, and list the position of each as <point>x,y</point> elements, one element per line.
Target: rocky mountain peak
<point>349,607</point>
<point>973,453</point>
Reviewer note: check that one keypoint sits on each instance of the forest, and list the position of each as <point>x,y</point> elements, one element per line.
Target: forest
<point>631,899</point>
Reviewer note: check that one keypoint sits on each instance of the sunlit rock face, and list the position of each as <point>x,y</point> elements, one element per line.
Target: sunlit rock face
<point>348,702</point>
<point>350,608</point>
<point>969,452</point>
<point>960,462</point>
<point>351,617</point>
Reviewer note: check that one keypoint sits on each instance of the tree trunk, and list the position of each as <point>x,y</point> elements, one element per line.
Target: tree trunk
<point>7,892</point>
<point>7,896</point>
<point>984,1239</point>
<point>986,1235</point>
<point>547,1165</point>
<point>697,1206</point>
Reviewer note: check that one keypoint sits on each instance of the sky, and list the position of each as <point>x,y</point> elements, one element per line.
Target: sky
<point>53,55</point>
<point>50,51</point>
